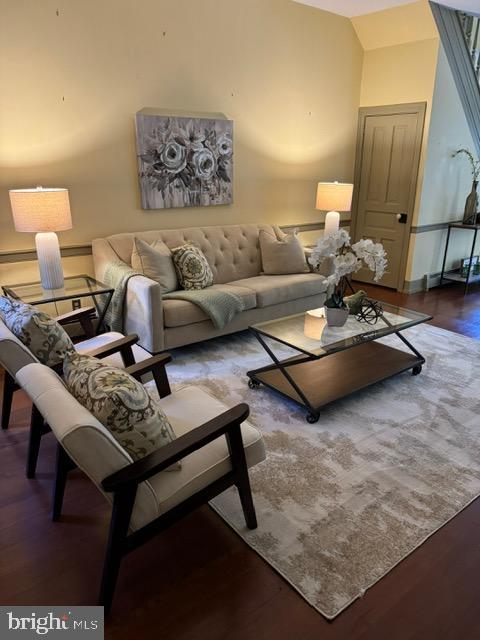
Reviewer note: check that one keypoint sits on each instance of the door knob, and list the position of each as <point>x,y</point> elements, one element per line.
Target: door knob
<point>402,218</point>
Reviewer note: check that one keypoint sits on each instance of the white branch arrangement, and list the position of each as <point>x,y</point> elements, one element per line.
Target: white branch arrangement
<point>474,163</point>
<point>347,259</point>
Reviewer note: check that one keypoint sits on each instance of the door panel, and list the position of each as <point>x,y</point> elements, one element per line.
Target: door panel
<point>385,183</point>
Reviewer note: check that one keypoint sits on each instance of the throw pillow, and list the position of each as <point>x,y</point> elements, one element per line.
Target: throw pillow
<point>192,267</point>
<point>120,403</point>
<point>155,262</point>
<point>282,256</point>
<point>46,339</point>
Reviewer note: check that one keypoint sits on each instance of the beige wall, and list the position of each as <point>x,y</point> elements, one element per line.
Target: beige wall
<point>287,74</point>
<point>447,181</point>
<point>406,23</point>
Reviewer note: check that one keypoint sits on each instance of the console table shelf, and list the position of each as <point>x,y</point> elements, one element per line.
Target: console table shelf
<point>455,275</point>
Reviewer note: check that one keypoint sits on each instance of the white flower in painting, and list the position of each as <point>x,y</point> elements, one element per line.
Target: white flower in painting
<point>204,164</point>
<point>193,135</point>
<point>224,145</point>
<point>174,156</point>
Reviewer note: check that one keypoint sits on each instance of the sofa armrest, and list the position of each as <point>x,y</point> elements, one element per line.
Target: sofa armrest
<point>144,313</point>
<point>143,300</point>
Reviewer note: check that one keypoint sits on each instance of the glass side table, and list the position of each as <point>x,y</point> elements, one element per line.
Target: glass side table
<point>75,289</point>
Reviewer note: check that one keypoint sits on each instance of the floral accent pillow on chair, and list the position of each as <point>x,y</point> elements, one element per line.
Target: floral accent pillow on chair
<point>192,267</point>
<point>121,403</point>
<point>6,308</point>
<point>46,339</point>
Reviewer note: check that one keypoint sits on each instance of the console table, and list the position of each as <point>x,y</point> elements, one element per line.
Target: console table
<point>455,275</point>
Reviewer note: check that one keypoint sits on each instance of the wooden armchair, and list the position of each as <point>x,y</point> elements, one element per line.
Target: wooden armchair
<point>118,349</point>
<point>214,442</point>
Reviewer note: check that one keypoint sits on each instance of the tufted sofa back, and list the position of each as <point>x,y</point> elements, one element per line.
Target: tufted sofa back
<point>232,251</point>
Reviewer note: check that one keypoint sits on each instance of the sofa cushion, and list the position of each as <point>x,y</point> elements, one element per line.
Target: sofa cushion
<point>192,267</point>
<point>119,402</point>
<point>188,408</point>
<point>178,313</point>
<point>276,289</point>
<point>155,262</point>
<point>282,255</point>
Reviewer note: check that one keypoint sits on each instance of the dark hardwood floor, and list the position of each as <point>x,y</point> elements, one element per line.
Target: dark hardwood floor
<point>199,581</point>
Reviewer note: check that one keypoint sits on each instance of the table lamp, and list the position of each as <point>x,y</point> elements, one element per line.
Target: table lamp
<point>43,211</point>
<point>334,197</point>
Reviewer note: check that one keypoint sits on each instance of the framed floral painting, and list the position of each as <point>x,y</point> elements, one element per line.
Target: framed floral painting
<point>184,162</point>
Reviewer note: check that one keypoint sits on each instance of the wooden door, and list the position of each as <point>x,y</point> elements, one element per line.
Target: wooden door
<point>388,153</point>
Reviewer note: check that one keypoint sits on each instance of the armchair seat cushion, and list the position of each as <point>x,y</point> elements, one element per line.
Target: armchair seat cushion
<point>186,409</point>
<point>272,290</point>
<point>178,313</point>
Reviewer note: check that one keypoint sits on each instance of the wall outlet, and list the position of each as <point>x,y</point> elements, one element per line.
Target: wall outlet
<point>76,304</point>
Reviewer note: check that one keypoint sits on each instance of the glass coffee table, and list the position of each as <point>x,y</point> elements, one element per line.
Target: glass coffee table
<point>75,289</point>
<point>334,362</point>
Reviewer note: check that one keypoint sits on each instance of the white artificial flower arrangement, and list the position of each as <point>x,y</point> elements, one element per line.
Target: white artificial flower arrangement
<point>346,259</point>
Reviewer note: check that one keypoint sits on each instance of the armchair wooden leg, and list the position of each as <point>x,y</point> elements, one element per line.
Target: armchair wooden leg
<point>9,387</point>
<point>64,465</point>
<point>239,464</point>
<point>36,432</point>
<point>121,513</point>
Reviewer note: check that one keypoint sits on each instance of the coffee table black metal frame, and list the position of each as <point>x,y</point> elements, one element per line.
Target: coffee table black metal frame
<point>365,362</point>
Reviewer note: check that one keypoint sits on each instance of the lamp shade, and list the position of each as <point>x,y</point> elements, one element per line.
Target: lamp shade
<point>334,196</point>
<point>39,210</point>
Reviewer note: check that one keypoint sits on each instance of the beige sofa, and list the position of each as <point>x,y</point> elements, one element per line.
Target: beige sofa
<point>233,253</point>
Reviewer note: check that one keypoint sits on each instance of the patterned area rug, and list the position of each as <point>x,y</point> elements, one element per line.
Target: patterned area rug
<point>341,502</point>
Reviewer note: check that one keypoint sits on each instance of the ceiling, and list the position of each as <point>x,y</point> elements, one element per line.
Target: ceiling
<point>351,8</point>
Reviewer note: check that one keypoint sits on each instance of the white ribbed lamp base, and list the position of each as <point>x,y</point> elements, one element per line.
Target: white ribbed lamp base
<point>49,260</point>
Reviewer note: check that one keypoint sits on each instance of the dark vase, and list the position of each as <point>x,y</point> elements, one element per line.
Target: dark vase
<point>471,205</point>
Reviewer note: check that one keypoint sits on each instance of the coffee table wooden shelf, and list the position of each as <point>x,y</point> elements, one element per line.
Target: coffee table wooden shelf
<point>339,361</point>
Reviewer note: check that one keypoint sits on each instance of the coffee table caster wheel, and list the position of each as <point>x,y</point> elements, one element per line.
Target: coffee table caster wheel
<point>416,370</point>
<point>313,417</point>
<point>253,384</point>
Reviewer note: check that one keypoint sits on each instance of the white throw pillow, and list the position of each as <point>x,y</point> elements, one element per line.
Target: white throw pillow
<point>155,262</point>
<point>282,256</point>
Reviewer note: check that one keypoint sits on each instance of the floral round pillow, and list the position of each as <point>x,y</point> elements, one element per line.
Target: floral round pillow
<point>192,267</point>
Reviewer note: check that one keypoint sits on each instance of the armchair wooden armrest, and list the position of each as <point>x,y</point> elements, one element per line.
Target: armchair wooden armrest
<point>156,366</point>
<point>122,346</point>
<point>224,424</point>
<point>84,316</point>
